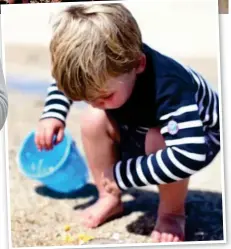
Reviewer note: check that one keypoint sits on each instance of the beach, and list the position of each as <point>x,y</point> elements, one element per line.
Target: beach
<point>38,215</point>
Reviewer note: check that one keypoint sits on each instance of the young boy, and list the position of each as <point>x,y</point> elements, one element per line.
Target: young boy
<point>150,120</point>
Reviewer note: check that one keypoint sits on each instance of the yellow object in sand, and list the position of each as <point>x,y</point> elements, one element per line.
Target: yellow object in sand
<point>84,238</point>
<point>81,238</point>
<point>68,238</point>
<point>67,228</point>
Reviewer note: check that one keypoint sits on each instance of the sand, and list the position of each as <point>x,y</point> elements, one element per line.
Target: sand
<point>38,215</point>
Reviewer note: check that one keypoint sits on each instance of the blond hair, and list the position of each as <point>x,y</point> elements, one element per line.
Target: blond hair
<point>91,43</point>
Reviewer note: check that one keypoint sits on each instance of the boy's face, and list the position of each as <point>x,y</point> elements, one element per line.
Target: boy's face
<point>120,88</point>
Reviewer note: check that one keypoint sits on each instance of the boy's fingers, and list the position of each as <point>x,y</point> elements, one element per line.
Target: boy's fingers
<point>37,143</point>
<point>42,140</point>
<point>59,137</point>
<point>38,139</point>
<point>49,133</point>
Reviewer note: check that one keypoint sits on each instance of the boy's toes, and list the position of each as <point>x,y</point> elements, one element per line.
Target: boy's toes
<point>176,239</point>
<point>91,222</point>
<point>164,237</point>
<point>169,238</point>
<point>170,228</point>
<point>156,236</point>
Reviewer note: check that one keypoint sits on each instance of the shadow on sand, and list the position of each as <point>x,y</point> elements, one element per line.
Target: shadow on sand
<point>203,210</point>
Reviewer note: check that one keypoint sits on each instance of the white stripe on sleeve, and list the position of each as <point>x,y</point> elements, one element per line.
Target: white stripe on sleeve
<point>178,164</point>
<point>52,89</point>
<point>57,97</point>
<point>164,168</point>
<point>181,110</point>
<point>56,107</point>
<point>193,156</point>
<point>140,172</point>
<point>118,176</point>
<point>53,115</point>
<point>185,140</point>
<point>154,175</point>
<point>129,174</point>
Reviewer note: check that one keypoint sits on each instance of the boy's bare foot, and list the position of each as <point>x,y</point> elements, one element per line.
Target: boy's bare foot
<point>105,208</point>
<point>169,228</point>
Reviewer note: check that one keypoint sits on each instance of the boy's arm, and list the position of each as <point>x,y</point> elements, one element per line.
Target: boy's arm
<point>182,129</point>
<point>3,100</point>
<point>57,105</point>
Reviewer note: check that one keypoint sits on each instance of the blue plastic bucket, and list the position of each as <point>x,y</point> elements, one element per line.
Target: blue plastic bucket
<point>62,169</point>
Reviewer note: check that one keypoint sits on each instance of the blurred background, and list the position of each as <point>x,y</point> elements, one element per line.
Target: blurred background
<point>223,4</point>
<point>174,29</point>
<point>186,30</point>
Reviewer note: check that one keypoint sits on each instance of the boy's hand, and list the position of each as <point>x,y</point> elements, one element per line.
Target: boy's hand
<point>46,130</point>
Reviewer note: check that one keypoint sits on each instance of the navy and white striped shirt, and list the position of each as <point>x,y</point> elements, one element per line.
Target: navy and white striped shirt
<point>173,97</point>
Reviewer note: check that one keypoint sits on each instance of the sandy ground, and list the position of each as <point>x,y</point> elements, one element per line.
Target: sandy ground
<point>38,215</point>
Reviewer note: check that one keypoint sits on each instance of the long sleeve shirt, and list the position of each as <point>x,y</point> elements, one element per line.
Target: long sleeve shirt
<point>170,96</point>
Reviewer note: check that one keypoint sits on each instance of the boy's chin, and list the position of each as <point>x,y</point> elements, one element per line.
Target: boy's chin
<point>114,107</point>
<point>118,105</point>
<point>111,107</point>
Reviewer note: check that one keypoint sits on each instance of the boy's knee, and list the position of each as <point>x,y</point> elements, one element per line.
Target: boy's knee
<point>93,122</point>
<point>154,141</point>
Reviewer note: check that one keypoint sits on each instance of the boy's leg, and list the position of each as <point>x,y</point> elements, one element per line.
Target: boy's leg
<point>100,137</point>
<point>171,220</point>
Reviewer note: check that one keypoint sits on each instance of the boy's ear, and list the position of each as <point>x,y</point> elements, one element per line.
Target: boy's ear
<point>142,64</point>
